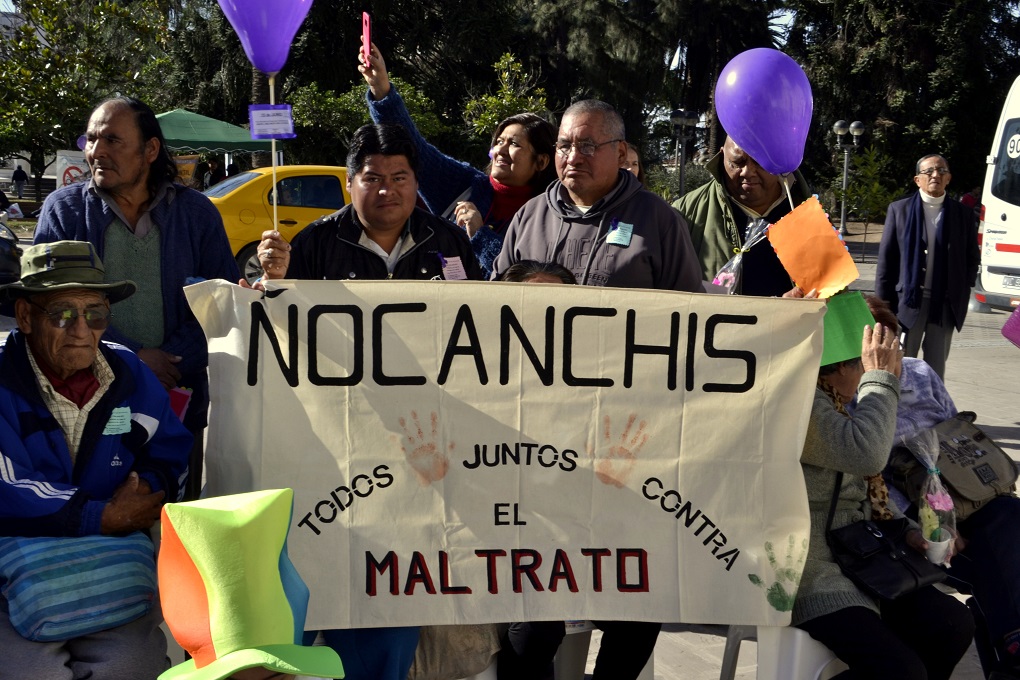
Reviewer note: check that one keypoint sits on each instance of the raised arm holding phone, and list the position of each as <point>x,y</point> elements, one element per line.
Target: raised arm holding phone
<point>481,203</point>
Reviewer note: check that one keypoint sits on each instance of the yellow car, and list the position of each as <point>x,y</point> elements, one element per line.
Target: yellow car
<point>245,202</point>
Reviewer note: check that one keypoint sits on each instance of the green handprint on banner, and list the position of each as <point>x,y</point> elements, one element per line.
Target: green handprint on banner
<point>783,590</point>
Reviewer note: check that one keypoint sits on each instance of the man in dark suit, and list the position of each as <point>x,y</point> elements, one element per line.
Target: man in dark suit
<point>927,263</point>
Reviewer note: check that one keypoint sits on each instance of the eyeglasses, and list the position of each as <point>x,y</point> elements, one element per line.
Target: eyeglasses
<point>95,318</point>
<point>583,148</point>
<point>934,171</point>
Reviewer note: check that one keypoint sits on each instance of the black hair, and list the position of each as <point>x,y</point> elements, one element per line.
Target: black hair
<point>163,167</point>
<point>882,313</point>
<point>387,139</point>
<point>525,270</point>
<point>542,137</point>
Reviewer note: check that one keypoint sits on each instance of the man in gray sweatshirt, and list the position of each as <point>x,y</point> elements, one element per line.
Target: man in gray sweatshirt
<point>596,219</point>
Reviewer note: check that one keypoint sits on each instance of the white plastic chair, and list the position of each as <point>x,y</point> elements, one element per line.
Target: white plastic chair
<point>488,674</point>
<point>789,653</point>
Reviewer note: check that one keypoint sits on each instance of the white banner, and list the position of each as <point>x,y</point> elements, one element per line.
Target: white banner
<point>483,452</point>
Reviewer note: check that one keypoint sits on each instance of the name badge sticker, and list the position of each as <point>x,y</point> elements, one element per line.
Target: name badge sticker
<point>453,268</point>
<point>620,233</point>
<point>119,422</point>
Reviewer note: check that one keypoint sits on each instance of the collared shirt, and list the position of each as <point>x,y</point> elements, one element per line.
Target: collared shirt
<point>752,214</point>
<point>144,224</point>
<point>135,254</point>
<point>404,243</point>
<point>70,418</point>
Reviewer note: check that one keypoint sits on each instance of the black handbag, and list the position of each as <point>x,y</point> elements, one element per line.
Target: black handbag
<point>874,555</point>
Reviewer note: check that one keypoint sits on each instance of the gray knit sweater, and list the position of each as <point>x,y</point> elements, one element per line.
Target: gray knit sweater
<point>858,447</point>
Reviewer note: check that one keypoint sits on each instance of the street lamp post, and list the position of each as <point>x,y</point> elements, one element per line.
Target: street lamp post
<point>682,120</point>
<point>856,129</point>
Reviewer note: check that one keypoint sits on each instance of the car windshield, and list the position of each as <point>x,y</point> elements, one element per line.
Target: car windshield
<point>229,184</point>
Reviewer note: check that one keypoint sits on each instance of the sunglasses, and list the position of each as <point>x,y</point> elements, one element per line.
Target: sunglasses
<point>95,318</point>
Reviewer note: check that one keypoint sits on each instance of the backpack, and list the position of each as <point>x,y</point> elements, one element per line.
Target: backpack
<point>973,468</point>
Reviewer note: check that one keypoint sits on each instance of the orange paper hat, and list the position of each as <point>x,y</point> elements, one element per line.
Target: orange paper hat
<point>230,595</point>
<point>811,250</point>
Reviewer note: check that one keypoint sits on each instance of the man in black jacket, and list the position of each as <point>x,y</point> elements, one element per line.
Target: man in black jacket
<point>381,235</point>
<point>927,263</point>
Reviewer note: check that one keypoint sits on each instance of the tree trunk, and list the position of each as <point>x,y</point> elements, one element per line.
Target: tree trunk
<point>38,167</point>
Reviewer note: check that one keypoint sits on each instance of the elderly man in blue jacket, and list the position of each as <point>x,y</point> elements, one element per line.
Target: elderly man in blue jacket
<point>88,446</point>
<point>149,229</point>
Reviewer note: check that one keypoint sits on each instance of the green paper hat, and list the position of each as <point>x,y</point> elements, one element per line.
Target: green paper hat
<point>230,595</point>
<point>846,315</point>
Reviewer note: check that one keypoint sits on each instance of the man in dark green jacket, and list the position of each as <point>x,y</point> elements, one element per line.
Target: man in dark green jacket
<point>719,213</point>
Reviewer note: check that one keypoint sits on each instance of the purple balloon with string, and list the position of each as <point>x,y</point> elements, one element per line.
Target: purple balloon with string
<point>266,28</point>
<point>763,99</point>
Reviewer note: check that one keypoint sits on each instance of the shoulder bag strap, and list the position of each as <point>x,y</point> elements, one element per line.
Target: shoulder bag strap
<point>832,504</point>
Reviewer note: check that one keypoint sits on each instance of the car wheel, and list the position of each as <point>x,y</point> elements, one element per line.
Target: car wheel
<point>248,263</point>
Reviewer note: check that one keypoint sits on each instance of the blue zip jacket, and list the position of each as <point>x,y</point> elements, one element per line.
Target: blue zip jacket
<point>131,428</point>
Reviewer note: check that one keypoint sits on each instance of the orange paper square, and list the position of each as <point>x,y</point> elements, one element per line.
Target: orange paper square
<point>811,250</point>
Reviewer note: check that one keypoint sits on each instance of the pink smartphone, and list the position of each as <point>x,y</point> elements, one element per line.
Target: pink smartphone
<point>366,37</point>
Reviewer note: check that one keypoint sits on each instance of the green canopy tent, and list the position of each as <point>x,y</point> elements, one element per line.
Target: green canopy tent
<point>188,132</point>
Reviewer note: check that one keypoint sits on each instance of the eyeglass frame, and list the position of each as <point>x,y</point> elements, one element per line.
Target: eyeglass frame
<point>563,149</point>
<point>937,170</point>
<point>55,317</point>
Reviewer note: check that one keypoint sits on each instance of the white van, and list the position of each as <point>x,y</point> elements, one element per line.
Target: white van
<point>1000,211</point>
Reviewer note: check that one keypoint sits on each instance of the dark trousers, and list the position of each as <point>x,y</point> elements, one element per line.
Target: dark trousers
<point>529,648</point>
<point>196,462</point>
<point>921,636</point>
<point>934,336</point>
<point>625,649</point>
<point>990,565</point>
<point>372,653</point>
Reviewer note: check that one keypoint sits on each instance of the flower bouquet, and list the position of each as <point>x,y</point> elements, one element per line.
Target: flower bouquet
<point>934,506</point>
<point>729,277</point>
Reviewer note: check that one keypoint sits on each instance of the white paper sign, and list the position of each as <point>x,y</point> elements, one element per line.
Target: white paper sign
<point>71,167</point>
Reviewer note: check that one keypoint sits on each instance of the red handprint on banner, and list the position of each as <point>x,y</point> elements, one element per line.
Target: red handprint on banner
<point>615,461</point>
<point>423,451</point>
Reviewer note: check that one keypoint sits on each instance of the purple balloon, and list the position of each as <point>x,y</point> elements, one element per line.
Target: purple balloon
<point>763,99</point>
<point>266,28</point>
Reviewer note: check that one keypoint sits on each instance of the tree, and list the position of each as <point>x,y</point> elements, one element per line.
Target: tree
<point>871,190</point>
<point>707,34</point>
<point>518,91</point>
<point>325,121</point>
<point>64,59</point>
<point>600,49</point>
<point>923,79</point>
